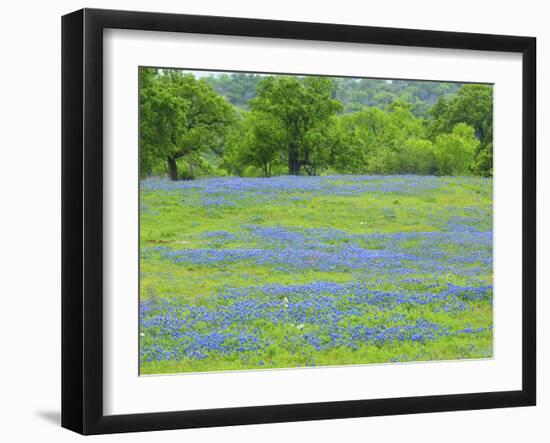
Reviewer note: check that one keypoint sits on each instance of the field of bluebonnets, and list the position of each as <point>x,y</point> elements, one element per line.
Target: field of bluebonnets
<point>281,272</point>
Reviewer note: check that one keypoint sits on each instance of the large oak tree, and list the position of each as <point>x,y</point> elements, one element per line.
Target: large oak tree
<point>180,118</point>
<point>302,105</point>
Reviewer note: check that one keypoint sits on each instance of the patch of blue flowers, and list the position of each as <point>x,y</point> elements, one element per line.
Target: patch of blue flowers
<point>333,250</point>
<point>320,314</point>
<point>229,191</point>
<point>392,285</point>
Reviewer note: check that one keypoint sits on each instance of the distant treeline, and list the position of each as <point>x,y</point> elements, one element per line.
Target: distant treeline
<point>353,93</point>
<point>252,125</point>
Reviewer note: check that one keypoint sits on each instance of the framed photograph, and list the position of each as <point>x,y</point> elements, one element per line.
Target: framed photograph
<point>269,221</point>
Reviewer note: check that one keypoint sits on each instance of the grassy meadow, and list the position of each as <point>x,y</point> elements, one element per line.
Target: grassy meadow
<point>294,271</point>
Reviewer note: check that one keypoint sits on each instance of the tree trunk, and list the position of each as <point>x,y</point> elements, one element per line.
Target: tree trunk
<point>293,163</point>
<point>309,168</point>
<point>172,168</point>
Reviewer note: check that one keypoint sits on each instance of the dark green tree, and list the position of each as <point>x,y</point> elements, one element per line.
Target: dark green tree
<point>180,118</point>
<point>472,105</point>
<point>256,141</point>
<point>301,105</point>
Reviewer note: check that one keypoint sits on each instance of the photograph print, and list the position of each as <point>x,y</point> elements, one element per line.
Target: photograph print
<point>293,221</point>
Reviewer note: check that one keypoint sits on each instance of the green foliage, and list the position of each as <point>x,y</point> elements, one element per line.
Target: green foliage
<point>455,152</point>
<point>256,141</point>
<point>357,93</point>
<point>372,140</point>
<point>273,125</point>
<point>180,117</point>
<point>472,105</point>
<point>483,164</point>
<point>417,156</point>
<point>162,112</point>
<point>302,106</point>
<point>237,88</point>
<point>353,93</point>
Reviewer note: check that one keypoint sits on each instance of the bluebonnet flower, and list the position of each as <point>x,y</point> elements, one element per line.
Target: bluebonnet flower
<point>391,274</point>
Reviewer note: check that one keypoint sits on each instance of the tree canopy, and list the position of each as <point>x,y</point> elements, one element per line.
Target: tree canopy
<point>180,118</point>
<point>301,107</point>
<point>473,105</point>
<point>254,125</point>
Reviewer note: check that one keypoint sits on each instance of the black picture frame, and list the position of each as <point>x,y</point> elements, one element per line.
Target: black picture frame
<point>82,218</point>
